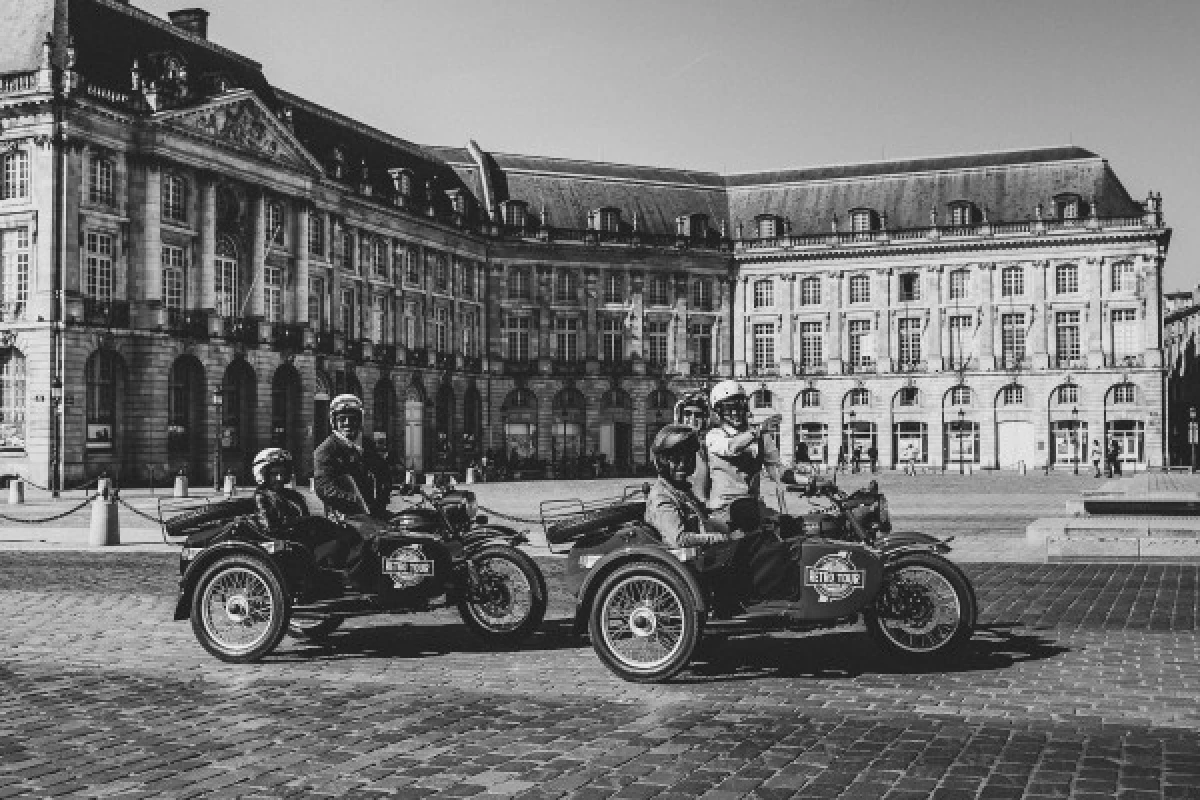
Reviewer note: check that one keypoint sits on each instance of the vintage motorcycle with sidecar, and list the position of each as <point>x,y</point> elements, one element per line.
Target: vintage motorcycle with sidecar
<point>646,606</point>
<point>244,587</point>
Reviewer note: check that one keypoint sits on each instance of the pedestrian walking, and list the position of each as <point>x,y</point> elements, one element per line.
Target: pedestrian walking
<point>1096,454</point>
<point>1114,458</point>
<point>841,462</point>
<point>857,457</point>
<point>873,457</point>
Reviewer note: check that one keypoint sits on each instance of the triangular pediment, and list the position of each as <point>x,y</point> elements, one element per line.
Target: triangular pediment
<point>240,120</point>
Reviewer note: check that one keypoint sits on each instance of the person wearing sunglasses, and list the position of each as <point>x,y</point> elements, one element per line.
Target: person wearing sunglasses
<point>738,451</point>
<point>692,411</point>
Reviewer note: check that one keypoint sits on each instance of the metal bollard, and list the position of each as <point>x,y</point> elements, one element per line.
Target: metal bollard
<point>105,527</point>
<point>16,492</point>
<point>230,487</point>
<point>312,484</point>
<point>430,479</point>
<point>181,485</point>
<point>103,486</point>
<point>472,475</point>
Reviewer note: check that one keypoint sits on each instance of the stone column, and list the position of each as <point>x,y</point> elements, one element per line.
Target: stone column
<point>591,324</point>
<point>335,277</point>
<point>834,355</point>
<point>677,350</point>
<point>1152,310</point>
<point>884,319</point>
<point>787,360</point>
<point>1091,285</point>
<point>739,326</point>
<point>150,244</point>
<point>933,328</point>
<point>257,258</point>
<point>987,327</point>
<point>299,310</point>
<point>205,270</point>
<point>634,342</point>
<point>722,331</point>
<point>1039,357</point>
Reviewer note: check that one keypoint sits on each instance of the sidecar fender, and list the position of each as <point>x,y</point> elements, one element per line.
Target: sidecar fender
<point>481,536</point>
<point>202,561</point>
<point>895,544</point>
<point>626,555</point>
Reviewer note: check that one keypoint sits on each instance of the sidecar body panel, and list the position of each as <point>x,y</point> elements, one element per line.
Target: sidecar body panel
<point>838,578</point>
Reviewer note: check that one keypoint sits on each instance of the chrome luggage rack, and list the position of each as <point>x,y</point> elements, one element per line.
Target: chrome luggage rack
<point>561,513</point>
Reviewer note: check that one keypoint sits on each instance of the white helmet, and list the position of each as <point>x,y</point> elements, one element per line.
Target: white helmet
<point>725,391</point>
<point>345,404</point>
<point>268,458</point>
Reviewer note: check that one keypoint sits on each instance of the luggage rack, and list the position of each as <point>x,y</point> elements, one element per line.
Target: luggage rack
<point>560,514</point>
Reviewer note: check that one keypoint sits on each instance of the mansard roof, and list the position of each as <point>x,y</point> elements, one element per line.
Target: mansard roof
<point>26,23</point>
<point>1007,185</point>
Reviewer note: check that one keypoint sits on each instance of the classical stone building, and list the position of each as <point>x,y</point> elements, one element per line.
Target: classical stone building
<point>193,261</point>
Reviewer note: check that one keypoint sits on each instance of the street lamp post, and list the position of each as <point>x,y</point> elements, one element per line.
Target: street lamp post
<point>218,402</point>
<point>961,423</point>
<point>1075,436</point>
<point>850,434</point>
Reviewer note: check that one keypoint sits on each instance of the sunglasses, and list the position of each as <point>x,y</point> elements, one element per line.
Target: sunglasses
<point>694,413</point>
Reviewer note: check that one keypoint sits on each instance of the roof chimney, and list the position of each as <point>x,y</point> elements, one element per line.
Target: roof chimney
<point>192,20</point>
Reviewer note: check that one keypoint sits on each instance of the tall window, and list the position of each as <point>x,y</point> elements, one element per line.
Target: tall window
<point>859,397</point>
<point>1124,279</point>
<point>764,293</point>
<point>614,287</point>
<point>958,284</point>
<point>470,322</point>
<point>345,250</point>
<point>316,234</point>
<point>225,278</point>
<point>379,249</point>
<point>12,399</point>
<point>812,344</point>
<point>1124,393</point>
<point>1012,338</point>
<point>14,175</point>
<point>14,271</point>
<point>658,292</point>
<point>656,337</point>
<point>410,326</point>
<point>174,198</point>
<point>100,377</point>
<point>468,280</point>
<point>1013,395</point>
<point>274,221</point>
<point>1067,394</point>
<point>412,267</point>
<point>1066,279</point>
<point>910,341</point>
<point>960,340</point>
<point>860,221</point>
<point>960,396</point>
<point>566,338</point>
<point>612,339</point>
<point>517,333</point>
<point>100,181</point>
<point>518,284</point>
<point>441,329</point>
<point>173,267</point>
<point>910,287</point>
<point>764,344</point>
<point>379,318</point>
<point>273,293</point>
<point>441,271</point>
<point>860,335</point>
<point>860,289</point>
<point>316,303</point>
<point>98,282</point>
<point>1012,282</point>
<point>702,295</point>
<point>1066,336</point>
<point>701,335</point>
<point>810,292</point>
<point>566,287</point>
<point>179,393</point>
<point>810,398</point>
<point>348,319</point>
<point>1124,332</point>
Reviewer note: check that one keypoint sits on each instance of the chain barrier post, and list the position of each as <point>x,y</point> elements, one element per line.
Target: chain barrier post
<point>103,484</point>
<point>181,484</point>
<point>105,529</point>
<point>230,488</point>
<point>16,492</point>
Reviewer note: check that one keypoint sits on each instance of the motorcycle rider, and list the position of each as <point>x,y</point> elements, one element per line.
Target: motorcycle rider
<point>738,452</point>
<point>671,507</point>
<point>283,512</point>
<point>693,411</point>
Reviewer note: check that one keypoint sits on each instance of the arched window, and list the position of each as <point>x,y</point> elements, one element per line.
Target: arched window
<point>1067,394</point>
<point>12,399</point>
<point>859,397</point>
<point>1013,395</point>
<point>225,276</point>
<point>1124,394</point>
<point>960,396</point>
<point>185,382</point>
<point>101,378</point>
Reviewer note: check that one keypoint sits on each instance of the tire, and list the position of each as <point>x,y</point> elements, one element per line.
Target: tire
<point>313,627</point>
<point>925,611</point>
<point>643,623</point>
<point>506,596</point>
<point>239,609</point>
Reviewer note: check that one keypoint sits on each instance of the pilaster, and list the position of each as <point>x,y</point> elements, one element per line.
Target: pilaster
<point>739,325</point>
<point>298,312</point>
<point>257,258</point>
<point>207,221</point>
<point>987,350</point>
<point>787,326</point>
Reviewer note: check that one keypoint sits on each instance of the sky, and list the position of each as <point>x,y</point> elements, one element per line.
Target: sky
<point>740,86</point>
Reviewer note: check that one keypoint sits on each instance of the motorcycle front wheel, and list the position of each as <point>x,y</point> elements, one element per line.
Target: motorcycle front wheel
<point>239,609</point>
<point>925,610</point>
<point>506,596</point>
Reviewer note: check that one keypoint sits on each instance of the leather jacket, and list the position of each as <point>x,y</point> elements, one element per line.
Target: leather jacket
<point>351,481</point>
<point>277,509</point>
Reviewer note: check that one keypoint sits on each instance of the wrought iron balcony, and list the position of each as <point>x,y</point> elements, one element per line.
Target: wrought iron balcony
<point>445,361</point>
<point>699,370</point>
<point>354,349</point>
<point>656,368</point>
<point>11,312</point>
<point>616,367</point>
<point>192,324</point>
<point>473,364</point>
<point>106,314</point>
<point>813,368</point>
<point>522,367</point>
<point>910,366</point>
<point>240,330</point>
<point>285,336</point>
<point>861,366</point>
<point>386,354</point>
<point>568,367</point>
<point>1070,362</point>
<point>764,370</point>
<point>1138,360</point>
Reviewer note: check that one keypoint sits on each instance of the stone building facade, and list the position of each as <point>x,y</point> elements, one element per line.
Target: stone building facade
<point>192,262</point>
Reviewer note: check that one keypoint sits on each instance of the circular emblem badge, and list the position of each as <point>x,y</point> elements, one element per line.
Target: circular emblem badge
<point>407,566</point>
<point>834,577</point>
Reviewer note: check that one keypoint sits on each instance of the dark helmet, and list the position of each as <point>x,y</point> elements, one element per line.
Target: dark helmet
<point>345,404</point>
<point>693,404</point>
<point>671,440</point>
<point>270,457</point>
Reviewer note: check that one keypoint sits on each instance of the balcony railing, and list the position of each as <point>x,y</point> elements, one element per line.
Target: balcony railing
<point>1070,362</point>
<point>1015,362</point>
<point>11,312</point>
<point>354,349</point>
<point>568,367</point>
<point>192,324</point>
<point>764,370</point>
<point>617,367</point>
<point>445,361</point>
<point>860,366</point>
<point>287,337</point>
<point>325,343</point>
<point>240,330</point>
<point>699,370</point>
<point>386,354</point>
<point>106,314</point>
<point>15,82</point>
<point>523,367</point>
<point>713,241</point>
<point>910,366</point>
<point>656,368</point>
<point>473,364</point>
<point>812,368</point>
<point>1138,360</point>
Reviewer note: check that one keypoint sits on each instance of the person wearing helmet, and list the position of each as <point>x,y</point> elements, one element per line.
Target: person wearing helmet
<point>738,452</point>
<point>692,411</point>
<point>284,513</point>
<point>351,477</point>
<point>671,507</point>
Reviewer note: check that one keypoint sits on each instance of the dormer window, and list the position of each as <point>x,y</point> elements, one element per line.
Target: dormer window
<point>605,219</point>
<point>1070,206</point>
<point>863,220</point>
<point>337,163</point>
<point>692,226</point>
<point>458,201</point>
<point>769,226</point>
<point>962,212</point>
<point>514,213</point>
<point>402,185</point>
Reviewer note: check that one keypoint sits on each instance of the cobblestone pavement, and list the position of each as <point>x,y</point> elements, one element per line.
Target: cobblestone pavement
<point>1081,683</point>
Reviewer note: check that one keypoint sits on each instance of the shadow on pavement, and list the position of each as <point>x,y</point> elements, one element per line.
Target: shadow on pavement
<point>849,655</point>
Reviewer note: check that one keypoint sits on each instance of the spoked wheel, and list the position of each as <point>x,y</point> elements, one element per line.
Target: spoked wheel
<point>312,626</point>
<point>643,623</point>
<point>505,599</point>
<point>925,611</point>
<point>239,609</point>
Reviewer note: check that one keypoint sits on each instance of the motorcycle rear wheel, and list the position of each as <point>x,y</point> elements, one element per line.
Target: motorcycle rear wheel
<point>925,611</point>
<point>643,623</point>
<point>506,599</point>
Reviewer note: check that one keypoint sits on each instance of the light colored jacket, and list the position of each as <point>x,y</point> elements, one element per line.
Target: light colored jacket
<point>735,463</point>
